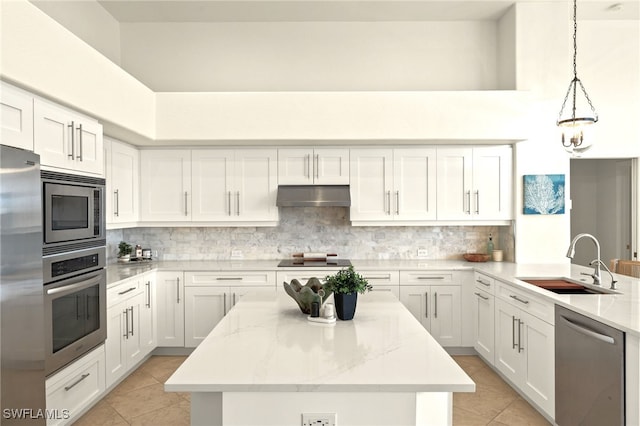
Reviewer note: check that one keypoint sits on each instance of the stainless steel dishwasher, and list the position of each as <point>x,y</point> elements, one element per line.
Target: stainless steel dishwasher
<point>589,371</point>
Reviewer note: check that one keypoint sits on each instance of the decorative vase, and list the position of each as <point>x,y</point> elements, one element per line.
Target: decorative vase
<point>345,305</point>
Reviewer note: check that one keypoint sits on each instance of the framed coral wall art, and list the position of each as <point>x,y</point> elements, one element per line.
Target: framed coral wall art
<point>543,194</point>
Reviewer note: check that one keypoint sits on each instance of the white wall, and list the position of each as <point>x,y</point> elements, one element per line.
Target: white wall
<point>88,20</point>
<point>312,56</point>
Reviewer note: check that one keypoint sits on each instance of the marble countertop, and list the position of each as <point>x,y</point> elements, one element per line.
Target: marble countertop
<point>621,311</point>
<point>265,344</point>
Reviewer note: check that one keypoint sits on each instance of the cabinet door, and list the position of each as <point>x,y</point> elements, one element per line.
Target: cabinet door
<point>416,300</point>
<point>414,181</point>
<point>16,117</point>
<point>538,374</point>
<point>204,308</point>
<point>483,324</point>
<point>115,348</point>
<point>123,174</point>
<point>170,305</point>
<point>508,358</point>
<point>88,147</point>
<point>166,179</point>
<point>133,337</point>
<point>492,183</point>
<point>212,184</point>
<point>331,166</point>
<point>52,129</point>
<point>454,183</point>
<point>371,175</point>
<point>148,321</point>
<point>256,185</point>
<point>295,166</point>
<point>446,314</point>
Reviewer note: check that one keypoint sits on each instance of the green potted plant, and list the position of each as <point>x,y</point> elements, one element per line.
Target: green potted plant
<point>345,285</point>
<point>124,251</point>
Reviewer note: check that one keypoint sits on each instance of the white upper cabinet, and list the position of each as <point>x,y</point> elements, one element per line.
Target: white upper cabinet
<point>393,184</point>
<point>307,166</point>
<point>16,117</point>
<point>67,140</point>
<point>209,185</point>
<point>122,171</point>
<point>475,183</point>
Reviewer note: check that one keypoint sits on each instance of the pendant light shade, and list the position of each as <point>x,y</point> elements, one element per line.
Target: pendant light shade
<point>575,125</point>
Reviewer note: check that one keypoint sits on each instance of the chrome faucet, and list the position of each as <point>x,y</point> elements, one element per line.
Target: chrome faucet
<point>596,271</point>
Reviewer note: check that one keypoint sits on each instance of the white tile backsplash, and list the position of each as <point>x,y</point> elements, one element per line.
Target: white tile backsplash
<point>319,229</point>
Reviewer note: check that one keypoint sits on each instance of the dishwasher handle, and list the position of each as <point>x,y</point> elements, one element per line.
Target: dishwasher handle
<point>588,332</point>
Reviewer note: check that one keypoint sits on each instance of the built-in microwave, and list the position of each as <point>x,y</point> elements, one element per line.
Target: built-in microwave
<point>73,210</point>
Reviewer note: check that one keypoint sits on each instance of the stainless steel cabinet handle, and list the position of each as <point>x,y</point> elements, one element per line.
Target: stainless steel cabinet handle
<point>388,202</point>
<point>72,385</point>
<point>234,299</point>
<point>588,332</point>
<point>514,297</point>
<point>237,203</point>
<point>72,126</point>
<point>397,202</point>
<point>316,166</point>
<point>126,291</point>
<point>229,199</point>
<point>224,301</point>
<point>308,171</point>
<point>435,304</point>
<point>481,296</point>
<point>178,289</point>
<point>468,202</point>
<point>148,284</point>
<point>186,210</point>
<point>483,283</point>
<point>426,305</point>
<point>229,278</point>
<point>126,323</point>
<point>477,202</point>
<point>430,278</point>
<point>79,157</point>
<point>117,203</point>
<point>520,347</point>
<point>513,332</point>
<point>132,321</point>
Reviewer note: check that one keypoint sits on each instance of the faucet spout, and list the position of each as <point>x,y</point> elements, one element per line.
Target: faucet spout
<point>597,277</point>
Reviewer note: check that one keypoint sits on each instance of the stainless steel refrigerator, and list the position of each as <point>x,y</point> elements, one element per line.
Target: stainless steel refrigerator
<point>21,289</point>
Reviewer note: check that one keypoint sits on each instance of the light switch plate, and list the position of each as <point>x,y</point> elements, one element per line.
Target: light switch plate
<point>319,419</point>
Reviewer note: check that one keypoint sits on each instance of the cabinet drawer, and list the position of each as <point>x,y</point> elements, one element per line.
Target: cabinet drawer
<point>124,290</point>
<point>427,277</point>
<point>484,282</point>
<point>231,278</point>
<point>526,301</point>
<point>381,278</point>
<point>74,388</point>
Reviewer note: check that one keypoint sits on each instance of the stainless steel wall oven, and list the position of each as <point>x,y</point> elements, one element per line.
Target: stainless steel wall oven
<point>73,212</point>
<point>75,292</point>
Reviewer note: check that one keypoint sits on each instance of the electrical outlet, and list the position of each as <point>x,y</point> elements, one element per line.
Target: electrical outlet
<point>236,254</point>
<point>423,253</point>
<point>319,419</point>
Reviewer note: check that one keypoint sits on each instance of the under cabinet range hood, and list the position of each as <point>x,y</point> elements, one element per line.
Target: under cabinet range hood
<point>313,196</point>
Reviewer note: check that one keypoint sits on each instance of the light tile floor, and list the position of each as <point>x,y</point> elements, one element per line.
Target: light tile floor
<point>141,400</point>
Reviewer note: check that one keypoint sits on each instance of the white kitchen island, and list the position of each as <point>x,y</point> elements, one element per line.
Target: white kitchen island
<point>266,364</point>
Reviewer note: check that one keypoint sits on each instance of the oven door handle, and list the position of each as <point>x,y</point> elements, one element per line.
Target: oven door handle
<point>82,282</point>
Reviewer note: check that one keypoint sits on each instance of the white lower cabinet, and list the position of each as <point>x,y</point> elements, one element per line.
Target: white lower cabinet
<point>524,348</point>
<point>129,327</point>
<point>170,308</point>
<point>210,295</point>
<point>438,306</point>
<point>74,388</point>
<point>483,309</point>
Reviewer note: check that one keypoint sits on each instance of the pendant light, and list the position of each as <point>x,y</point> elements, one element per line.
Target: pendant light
<point>574,128</point>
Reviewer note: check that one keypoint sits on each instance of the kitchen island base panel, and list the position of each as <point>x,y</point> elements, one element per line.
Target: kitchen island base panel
<point>352,408</point>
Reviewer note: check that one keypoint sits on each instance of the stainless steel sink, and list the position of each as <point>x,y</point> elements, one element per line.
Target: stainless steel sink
<point>563,285</point>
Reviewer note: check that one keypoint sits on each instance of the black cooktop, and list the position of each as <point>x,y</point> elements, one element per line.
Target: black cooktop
<point>300,262</point>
